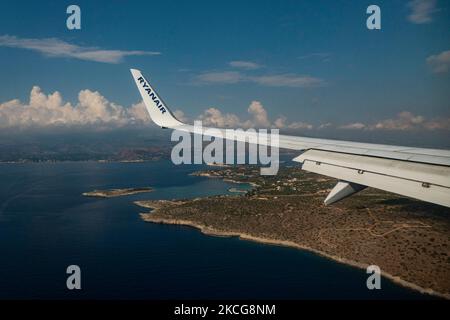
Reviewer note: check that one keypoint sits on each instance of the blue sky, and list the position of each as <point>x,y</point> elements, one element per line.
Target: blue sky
<point>308,61</point>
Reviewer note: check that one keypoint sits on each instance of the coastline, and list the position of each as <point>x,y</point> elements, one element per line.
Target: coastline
<point>147,217</point>
<point>112,193</point>
<point>208,175</point>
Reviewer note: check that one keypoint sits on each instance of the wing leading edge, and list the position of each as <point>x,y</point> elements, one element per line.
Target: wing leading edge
<point>414,172</point>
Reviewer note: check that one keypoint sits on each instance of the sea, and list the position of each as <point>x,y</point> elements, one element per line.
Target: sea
<point>46,225</point>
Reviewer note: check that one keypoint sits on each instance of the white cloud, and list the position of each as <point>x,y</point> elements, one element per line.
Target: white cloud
<point>225,77</point>
<point>137,113</point>
<point>52,47</point>
<point>421,11</point>
<point>280,80</point>
<point>282,123</point>
<point>300,125</point>
<point>92,109</point>
<point>258,119</point>
<point>287,80</point>
<point>439,63</point>
<point>259,114</point>
<point>404,121</point>
<point>248,65</point>
<point>437,124</point>
<point>325,126</point>
<point>353,126</point>
<point>180,115</point>
<point>214,117</point>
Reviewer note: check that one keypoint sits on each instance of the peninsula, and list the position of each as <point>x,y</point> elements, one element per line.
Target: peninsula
<point>408,239</point>
<point>110,193</point>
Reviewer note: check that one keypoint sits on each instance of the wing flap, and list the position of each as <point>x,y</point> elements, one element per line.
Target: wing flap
<point>417,180</point>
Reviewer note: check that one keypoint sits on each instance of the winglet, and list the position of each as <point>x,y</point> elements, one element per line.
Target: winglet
<point>157,109</point>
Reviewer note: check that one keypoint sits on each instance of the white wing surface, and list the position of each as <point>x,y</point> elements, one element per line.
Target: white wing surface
<point>414,172</point>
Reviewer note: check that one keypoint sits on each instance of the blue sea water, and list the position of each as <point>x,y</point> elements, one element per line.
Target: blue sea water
<point>47,225</point>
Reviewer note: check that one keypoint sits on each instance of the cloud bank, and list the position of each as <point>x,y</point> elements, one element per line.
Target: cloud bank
<point>52,47</point>
<point>258,119</point>
<point>277,80</point>
<point>93,110</point>
<point>404,121</point>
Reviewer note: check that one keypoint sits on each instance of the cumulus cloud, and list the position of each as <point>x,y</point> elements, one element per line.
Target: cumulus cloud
<point>94,110</point>
<point>180,115</point>
<point>325,125</point>
<point>404,121</point>
<point>52,47</point>
<point>248,65</point>
<point>421,11</point>
<point>438,124</point>
<point>300,125</point>
<point>215,118</point>
<point>282,123</point>
<point>353,126</point>
<point>279,80</point>
<point>259,114</point>
<point>50,110</point>
<point>258,119</point>
<point>439,63</point>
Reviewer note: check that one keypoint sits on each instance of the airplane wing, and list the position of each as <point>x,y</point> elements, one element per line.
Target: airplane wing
<point>414,172</point>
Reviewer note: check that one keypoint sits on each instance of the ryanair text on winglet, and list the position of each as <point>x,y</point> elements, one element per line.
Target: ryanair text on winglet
<point>152,94</point>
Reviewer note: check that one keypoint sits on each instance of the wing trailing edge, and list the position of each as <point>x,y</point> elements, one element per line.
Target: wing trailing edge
<point>426,182</point>
<point>414,172</point>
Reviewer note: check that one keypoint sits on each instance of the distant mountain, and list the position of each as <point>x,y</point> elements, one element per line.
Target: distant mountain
<point>117,145</point>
